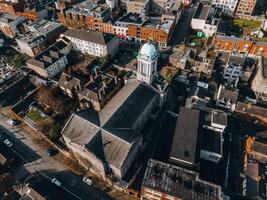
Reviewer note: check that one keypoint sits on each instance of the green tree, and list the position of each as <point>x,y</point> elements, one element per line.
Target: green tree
<point>55,132</point>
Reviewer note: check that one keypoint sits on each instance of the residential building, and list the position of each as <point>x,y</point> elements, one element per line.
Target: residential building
<point>226,98</point>
<point>10,25</point>
<point>244,45</point>
<point>48,63</point>
<point>259,82</point>
<point>165,181</point>
<point>251,112</point>
<point>225,6</point>
<point>205,20</point>
<point>31,43</point>
<point>71,84</point>
<point>109,141</point>
<point>245,8</point>
<point>39,35</point>
<point>159,7</point>
<point>127,26</point>
<point>147,61</point>
<point>96,93</point>
<point>36,13</point>
<point>86,14</point>
<point>51,30</point>
<point>212,136</point>
<point>140,7</point>
<point>14,89</point>
<point>93,43</point>
<point>233,71</point>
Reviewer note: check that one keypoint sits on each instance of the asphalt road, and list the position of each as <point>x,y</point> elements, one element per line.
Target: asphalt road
<point>36,160</point>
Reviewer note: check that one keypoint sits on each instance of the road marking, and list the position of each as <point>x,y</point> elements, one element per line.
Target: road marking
<point>73,182</point>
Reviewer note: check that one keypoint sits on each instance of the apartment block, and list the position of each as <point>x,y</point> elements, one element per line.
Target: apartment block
<point>245,8</point>
<point>48,63</point>
<point>86,14</point>
<point>92,42</point>
<point>244,45</point>
<point>205,20</point>
<point>138,6</point>
<point>225,6</point>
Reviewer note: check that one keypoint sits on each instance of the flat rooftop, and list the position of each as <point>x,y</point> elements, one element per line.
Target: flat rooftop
<point>88,8</point>
<point>202,12</point>
<point>32,39</point>
<point>44,26</point>
<point>178,182</point>
<point>184,145</point>
<point>132,18</point>
<point>211,141</point>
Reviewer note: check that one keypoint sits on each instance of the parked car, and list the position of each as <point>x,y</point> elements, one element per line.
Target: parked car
<point>13,122</point>
<point>51,151</point>
<point>1,137</point>
<point>87,180</point>
<point>55,181</point>
<point>8,143</point>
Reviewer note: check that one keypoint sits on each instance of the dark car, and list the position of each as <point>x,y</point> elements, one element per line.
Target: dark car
<point>51,151</point>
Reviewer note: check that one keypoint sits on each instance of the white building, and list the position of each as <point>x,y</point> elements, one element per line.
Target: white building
<point>225,6</point>
<point>204,20</point>
<point>92,42</point>
<point>147,63</point>
<point>48,63</point>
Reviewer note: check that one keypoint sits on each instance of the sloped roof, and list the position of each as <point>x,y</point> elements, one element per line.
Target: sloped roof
<point>90,36</point>
<point>109,134</point>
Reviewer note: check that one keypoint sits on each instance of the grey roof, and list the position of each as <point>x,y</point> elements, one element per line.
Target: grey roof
<point>44,26</point>
<point>110,134</point>
<point>178,182</point>
<point>71,81</point>
<point>184,145</point>
<point>7,18</point>
<point>46,58</point>
<point>228,95</point>
<point>219,118</point>
<point>252,109</point>
<point>90,36</point>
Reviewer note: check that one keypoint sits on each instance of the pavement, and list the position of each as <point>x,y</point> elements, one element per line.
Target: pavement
<point>36,160</point>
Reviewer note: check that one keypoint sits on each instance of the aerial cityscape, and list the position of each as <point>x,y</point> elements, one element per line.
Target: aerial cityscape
<point>133,99</point>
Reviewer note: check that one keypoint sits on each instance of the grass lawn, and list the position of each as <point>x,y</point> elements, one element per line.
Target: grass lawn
<point>34,116</point>
<point>246,24</point>
<point>264,39</point>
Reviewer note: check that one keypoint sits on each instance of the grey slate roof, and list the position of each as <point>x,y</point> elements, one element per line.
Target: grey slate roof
<point>90,36</point>
<point>184,145</point>
<point>109,134</point>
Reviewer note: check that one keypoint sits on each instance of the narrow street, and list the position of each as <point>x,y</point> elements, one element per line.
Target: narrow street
<point>36,160</point>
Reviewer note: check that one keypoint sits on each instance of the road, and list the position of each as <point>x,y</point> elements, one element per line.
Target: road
<point>36,160</point>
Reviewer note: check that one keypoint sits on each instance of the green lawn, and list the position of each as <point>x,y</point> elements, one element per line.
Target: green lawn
<point>34,116</point>
<point>264,39</point>
<point>246,24</point>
